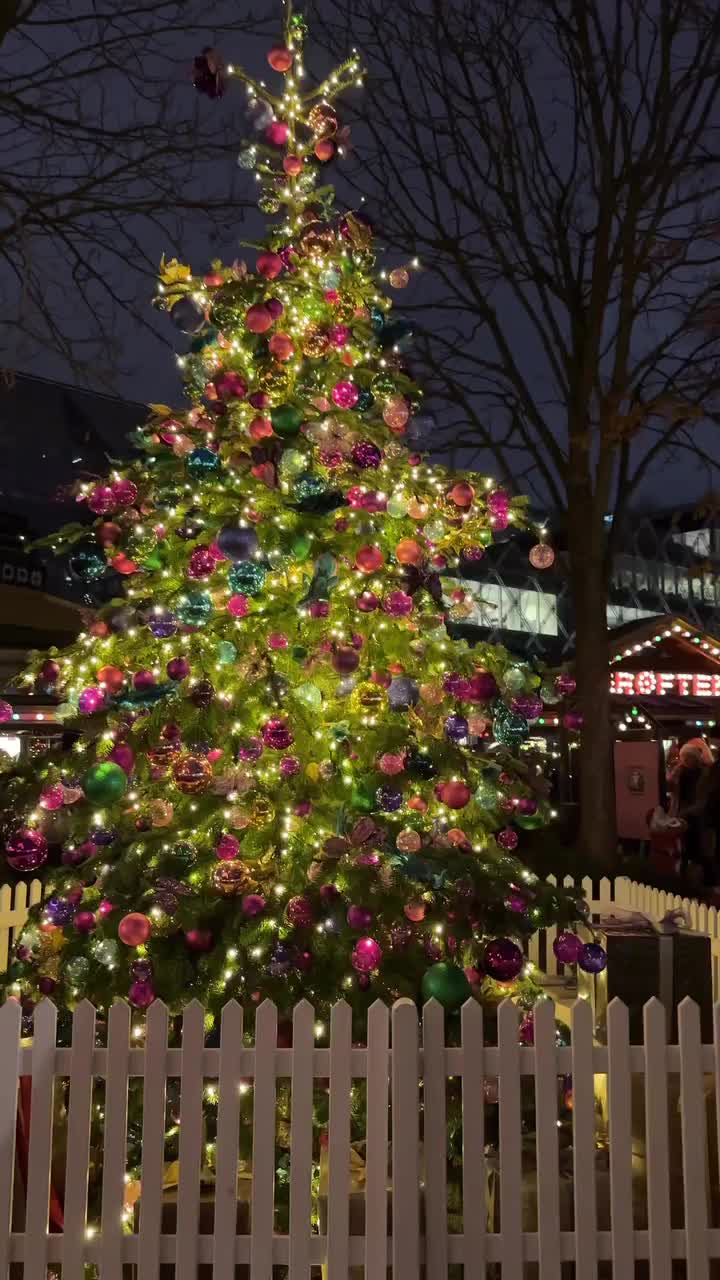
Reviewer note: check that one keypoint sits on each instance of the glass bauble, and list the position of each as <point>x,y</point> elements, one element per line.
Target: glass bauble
<point>191,774</point>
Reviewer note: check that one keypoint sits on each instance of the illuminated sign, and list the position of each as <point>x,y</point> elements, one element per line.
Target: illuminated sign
<point>645,684</point>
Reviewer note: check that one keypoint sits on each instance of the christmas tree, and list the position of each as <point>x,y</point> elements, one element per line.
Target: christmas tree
<point>288,780</point>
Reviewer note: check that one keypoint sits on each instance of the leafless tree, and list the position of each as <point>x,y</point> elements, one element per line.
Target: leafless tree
<point>106,153</point>
<point>555,164</point>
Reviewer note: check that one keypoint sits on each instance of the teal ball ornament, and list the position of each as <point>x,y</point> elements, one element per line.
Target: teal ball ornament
<point>447,984</point>
<point>105,782</point>
<point>88,565</point>
<point>195,608</point>
<point>202,462</point>
<point>511,730</point>
<point>247,577</point>
<point>286,419</point>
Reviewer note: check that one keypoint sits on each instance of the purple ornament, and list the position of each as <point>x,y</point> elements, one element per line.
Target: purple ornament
<point>162,625</point>
<point>46,985</point>
<point>299,912</point>
<point>503,960</point>
<point>227,847</point>
<point>203,694</point>
<point>565,684</point>
<point>365,454</point>
<point>123,755</point>
<point>141,970</point>
<point>85,921</point>
<point>592,958</point>
<point>567,947</point>
<point>498,503</point>
<point>516,903</point>
<point>389,799</point>
<point>26,850</point>
<point>281,960</point>
<point>483,687</point>
<point>456,728</point>
<point>143,680</point>
<point>276,735</point>
<point>141,994</point>
<point>253,904</point>
<point>289,766</point>
<point>366,955</point>
<point>102,836</point>
<point>91,700</point>
<point>59,911</point>
<point>178,669</point>
<point>456,685</point>
<point>398,604</point>
<point>367,602</point>
<point>250,749</point>
<point>507,838</point>
<point>238,543</point>
<point>75,856</point>
<point>359,917</point>
<point>573,720</point>
<point>345,395</point>
<point>527,806</point>
<point>528,705</point>
<point>329,893</point>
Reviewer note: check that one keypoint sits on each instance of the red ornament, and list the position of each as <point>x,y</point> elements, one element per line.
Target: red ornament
<point>258,318</point>
<point>134,929</point>
<point>324,149</point>
<point>260,428</point>
<point>199,939</point>
<point>541,556</point>
<point>277,133</point>
<point>293,165</point>
<point>454,794</point>
<point>111,678</point>
<point>281,346</point>
<point>280,58</point>
<point>462,494</point>
<point>369,559</point>
<point>270,265</point>
<point>408,551</point>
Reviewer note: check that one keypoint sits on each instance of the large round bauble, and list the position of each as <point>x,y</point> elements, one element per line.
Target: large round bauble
<point>104,783</point>
<point>456,728</point>
<point>565,684</point>
<point>322,120</point>
<point>277,133</point>
<point>199,939</point>
<point>191,774</point>
<point>281,346</point>
<point>529,821</point>
<point>403,693</point>
<point>230,878</point>
<point>88,565</point>
<point>247,577</point>
<point>111,678</point>
<point>592,958</point>
<point>101,500</point>
<point>276,735</point>
<point>455,795</point>
<point>541,556</point>
<point>231,385</point>
<point>567,947</point>
<point>270,265</point>
<point>237,542</point>
<point>202,462</point>
<point>315,341</point>
<point>345,394</point>
<point>286,419</point>
<point>299,912</point>
<point>408,551</point>
<point>280,57</point>
<point>369,559</point>
<point>503,960</point>
<point>366,955</point>
<point>194,608</point>
<point>178,669</point>
<point>258,319</point>
<point>26,849</point>
<point>188,315</point>
<point>447,984</point>
<point>462,494</point>
<point>134,929</point>
<point>511,730</point>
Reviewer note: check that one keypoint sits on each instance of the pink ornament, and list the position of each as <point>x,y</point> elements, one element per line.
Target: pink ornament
<point>231,385</point>
<point>366,955</point>
<point>134,929</point>
<point>270,265</point>
<point>277,640</point>
<point>6,712</point>
<point>455,794</point>
<point>217,555</point>
<point>91,700</point>
<point>227,847</point>
<point>123,755</point>
<point>567,947</point>
<point>124,493</point>
<point>258,318</point>
<point>391,764</point>
<point>289,767</point>
<point>101,500</point>
<point>238,606</point>
<point>565,684</point>
<point>396,412</point>
<point>26,849</point>
<point>299,912</point>
<point>507,838</point>
<point>319,609</point>
<point>201,564</point>
<point>345,395</point>
<point>359,917</point>
<point>260,428</point>
<point>259,399</point>
<point>52,797</point>
<point>253,904</point>
<point>105,908</point>
<point>277,735</point>
<point>281,346</point>
<point>293,165</point>
<point>276,308</point>
<point>339,335</point>
<point>280,57</point>
<point>398,604</point>
<point>367,602</point>
<point>277,133</point>
<point>85,921</point>
<point>144,680</point>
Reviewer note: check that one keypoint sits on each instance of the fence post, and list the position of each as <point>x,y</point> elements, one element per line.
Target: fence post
<point>10,1015</point>
<point>263,1166</point>
<point>620,1135</point>
<point>584,1185</point>
<point>153,1141</point>
<point>115,1140</point>
<point>41,1131</point>
<point>656,1129</point>
<point>226,1151</point>
<point>301,1140</point>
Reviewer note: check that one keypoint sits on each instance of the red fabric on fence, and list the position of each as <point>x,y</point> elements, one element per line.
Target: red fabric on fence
<point>22,1128</point>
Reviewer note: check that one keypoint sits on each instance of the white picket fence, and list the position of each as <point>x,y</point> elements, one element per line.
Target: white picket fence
<point>651,1194</point>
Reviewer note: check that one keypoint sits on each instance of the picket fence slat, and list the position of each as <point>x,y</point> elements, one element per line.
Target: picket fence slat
<point>10,1015</point>
<point>263,1165</point>
<point>476,1200</point>
<point>620,1139</point>
<point>405,1142</point>
<point>435,1138</point>
<point>40,1152</point>
<point>153,1142</point>
<point>115,1131</point>
<point>584,1181</point>
<point>191,1142</point>
<point>510,1140</point>
<point>301,1140</point>
<point>694,1145</point>
<point>376,1154</point>
<point>78,1142</point>
<point>547,1162</point>
<point>656,1130</point>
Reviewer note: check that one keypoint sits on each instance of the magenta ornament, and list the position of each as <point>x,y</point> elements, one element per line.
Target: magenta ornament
<point>565,684</point>
<point>199,939</point>
<point>85,921</point>
<point>178,669</point>
<point>527,806</point>
<point>367,602</point>
<point>231,385</point>
<point>289,766</point>
<point>144,680</point>
<point>101,500</point>
<point>567,947</point>
<point>366,955</point>
<point>507,838</point>
<point>250,749</point>
<point>339,335</point>
<point>359,917</point>
<point>26,850</point>
<point>201,564</point>
<point>123,755</point>
<point>276,735</point>
<point>227,847</point>
<point>345,395</point>
<point>52,797</point>
<point>299,912</point>
<point>503,960</point>
<point>6,712</point>
<point>573,720</point>
<point>516,903</point>
<point>124,493</point>
<point>141,994</point>
<point>91,700</point>
<point>365,454</point>
<point>398,604</point>
<point>238,606</point>
<point>253,904</point>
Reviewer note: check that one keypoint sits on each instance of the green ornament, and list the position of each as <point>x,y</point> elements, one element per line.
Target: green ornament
<point>365,400</point>
<point>486,795</point>
<point>362,796</point>
<point>247,577</point>
<point>529,821</point>
<point>230,304</point>
<point>485,537</point>
<point>142,545</point>
<point>301,546</point>
<point>383,385</point>
<point>515,679</point>
<point>195,608</point>
<point>106,951</point>
<point>77,971</point>
<point>268,203</point>
<point>298,653</point>
<point>397,506</point>
<point>310,695</point>
<point>226,652</point>
<point>435,530</point>
<point>286,419</point>
<point>447,984</point>
<point>182,857</point>
<point>88,566</point>
<point>105,782</point>
<point>292,462</point>
<point>309,486</point>
<point>511,730</point>
<point>549,693</point>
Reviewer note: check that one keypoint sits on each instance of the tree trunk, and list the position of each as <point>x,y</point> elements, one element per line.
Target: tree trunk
<point>588,571</point>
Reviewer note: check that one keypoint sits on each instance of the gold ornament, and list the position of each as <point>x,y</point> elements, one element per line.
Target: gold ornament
<point>368,696</point>
<point>192,774</point>
<point>315,342</point>
<point>322,121</point>
<point>230,878</point>
<point>317,239</point>
<point>161,756</point>
<point>399,278</point>
<point>161,813</point>
<point>262,812</point>
<point>275,380</point>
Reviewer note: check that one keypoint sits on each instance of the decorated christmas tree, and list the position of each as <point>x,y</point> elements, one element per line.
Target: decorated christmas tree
<point>288,780</point>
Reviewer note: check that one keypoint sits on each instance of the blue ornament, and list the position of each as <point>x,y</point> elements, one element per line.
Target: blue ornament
<point>102,836</point>
<point>389,799</point>
<point>237,543</point>
<point>308,486</point>
<point>403,693</point>
<point>195,608</point>
<point>365,401</point>
<point>202,462</point>
<point>88,565</point>
<point>377,319</point>
<point>456,728</point>
<point>592,958</point>
<point>59,911</point>
<point>281,960</point>
<point>248,577</point>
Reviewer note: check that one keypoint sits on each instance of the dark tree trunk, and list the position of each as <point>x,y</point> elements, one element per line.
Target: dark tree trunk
<point>588,571</point>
